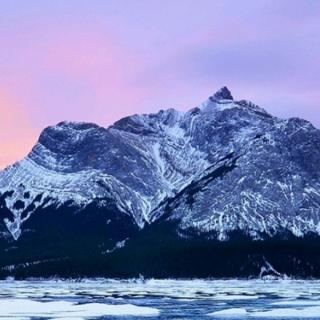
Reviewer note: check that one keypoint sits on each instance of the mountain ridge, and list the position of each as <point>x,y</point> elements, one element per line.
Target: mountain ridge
<point>71,148</point>
<point>221,168</point>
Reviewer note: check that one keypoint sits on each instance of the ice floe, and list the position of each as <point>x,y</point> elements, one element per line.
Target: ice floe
<point>309,312</point>
<point>233,312</point>
<point>25,309</point>
<point>304,302</point>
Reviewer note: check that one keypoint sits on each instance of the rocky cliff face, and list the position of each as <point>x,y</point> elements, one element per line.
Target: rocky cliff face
<point>225,166</point>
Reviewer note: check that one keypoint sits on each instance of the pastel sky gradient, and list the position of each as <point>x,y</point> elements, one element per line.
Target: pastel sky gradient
<point>98,61</point>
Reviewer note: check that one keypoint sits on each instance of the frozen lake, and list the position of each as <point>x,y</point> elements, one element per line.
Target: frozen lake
<point>160,299</point>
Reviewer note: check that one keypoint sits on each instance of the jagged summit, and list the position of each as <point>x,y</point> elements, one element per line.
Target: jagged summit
<point>223,94</point>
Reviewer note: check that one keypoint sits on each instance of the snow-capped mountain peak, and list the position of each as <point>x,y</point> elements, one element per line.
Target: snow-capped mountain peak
<point>222,94</point>
<point>224,166</point>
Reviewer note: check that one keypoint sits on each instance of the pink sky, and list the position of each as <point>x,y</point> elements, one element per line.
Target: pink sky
<point>98,61</point>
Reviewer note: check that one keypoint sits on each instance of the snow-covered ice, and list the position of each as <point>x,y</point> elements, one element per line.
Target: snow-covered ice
<point>26,309</point>
<point>159,299</point>
<point>233,312</point>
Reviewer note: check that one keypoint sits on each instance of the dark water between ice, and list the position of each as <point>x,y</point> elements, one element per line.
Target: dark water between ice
<point>160,299</point>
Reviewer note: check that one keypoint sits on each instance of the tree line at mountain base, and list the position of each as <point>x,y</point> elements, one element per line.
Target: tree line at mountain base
<point>69,245</point>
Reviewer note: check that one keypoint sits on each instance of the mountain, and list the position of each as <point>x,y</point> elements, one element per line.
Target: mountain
<point>225,181</point>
